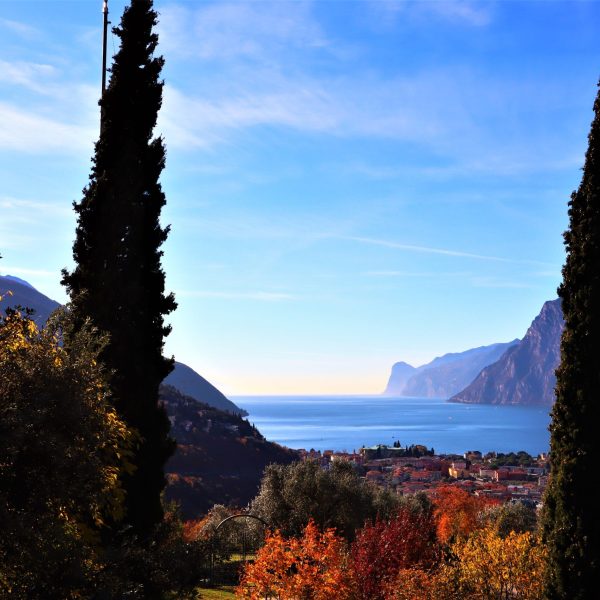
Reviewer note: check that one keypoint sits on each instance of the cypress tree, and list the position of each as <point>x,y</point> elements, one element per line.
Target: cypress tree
<point>118,281</point>
<point>571,523</point>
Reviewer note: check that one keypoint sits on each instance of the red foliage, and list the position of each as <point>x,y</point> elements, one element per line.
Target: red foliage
<point>383,548</point>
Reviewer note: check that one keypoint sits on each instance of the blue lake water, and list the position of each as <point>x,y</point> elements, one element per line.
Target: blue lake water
<point>349,422</point>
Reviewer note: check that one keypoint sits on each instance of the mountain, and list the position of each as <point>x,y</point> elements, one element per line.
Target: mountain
<point>444,375</point>
<point>524,374</point>
<point>190,383</point>
<point>182,377</point>
<point>401,373</point>
<point>18,280</point>
<point>220,457</point>
<point>25,295</point>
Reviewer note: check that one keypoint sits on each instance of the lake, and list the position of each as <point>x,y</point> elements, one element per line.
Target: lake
<point>349,422</point>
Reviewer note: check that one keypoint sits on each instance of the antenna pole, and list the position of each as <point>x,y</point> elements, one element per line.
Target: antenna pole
<point>104,36</point>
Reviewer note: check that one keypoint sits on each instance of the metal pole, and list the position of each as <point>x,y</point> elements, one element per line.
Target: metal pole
<point>104,36</point>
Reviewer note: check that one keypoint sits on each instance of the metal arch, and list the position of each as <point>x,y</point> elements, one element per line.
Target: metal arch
<point>214,536</point>
<point>240,515</point>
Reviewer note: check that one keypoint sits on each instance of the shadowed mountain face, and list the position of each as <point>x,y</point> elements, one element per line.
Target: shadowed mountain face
<point>190,383</point>
<point>220,457</point>
<point>525,373</point>
<point>25,295</point>
<point>445,375</point>
<point>183,377</point>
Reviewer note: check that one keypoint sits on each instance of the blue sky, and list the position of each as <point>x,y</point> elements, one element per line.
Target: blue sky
<point>349,184</point>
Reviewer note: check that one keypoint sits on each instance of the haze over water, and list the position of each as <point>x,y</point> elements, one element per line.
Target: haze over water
<point>349,422</point>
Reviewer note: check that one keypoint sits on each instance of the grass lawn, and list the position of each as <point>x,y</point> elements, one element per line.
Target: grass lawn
<point>221,593</point>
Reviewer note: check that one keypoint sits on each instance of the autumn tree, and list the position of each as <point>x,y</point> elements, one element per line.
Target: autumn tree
<point>118,281</point>
<point>571,525</point>
<point>381,549</point>
<point>457,512</point>
<point>311,567</point>
<point>62,450</point>
<point>483,566</point>
<point>489,566</point>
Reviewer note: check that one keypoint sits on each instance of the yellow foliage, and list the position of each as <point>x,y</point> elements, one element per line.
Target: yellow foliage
<point>26,352</point>
<point>482,567</point>
<point>507,568</point>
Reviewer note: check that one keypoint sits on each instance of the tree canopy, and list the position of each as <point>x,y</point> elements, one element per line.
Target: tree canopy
<point>571,525</point>
<point>118,281</point>
<point>291,496</point>
<point>62,450</point>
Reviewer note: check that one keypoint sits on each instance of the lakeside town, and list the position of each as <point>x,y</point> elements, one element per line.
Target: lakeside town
<point>505,477</point>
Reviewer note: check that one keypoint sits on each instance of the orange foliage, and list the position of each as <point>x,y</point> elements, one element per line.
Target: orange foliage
<point>193,529</point>
<point>313,567</point>
<point>414,584</point>
<point>456,512</point>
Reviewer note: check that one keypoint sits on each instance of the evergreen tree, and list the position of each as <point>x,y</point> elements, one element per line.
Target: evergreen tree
<point>571,525</point>
<point>118,281</point>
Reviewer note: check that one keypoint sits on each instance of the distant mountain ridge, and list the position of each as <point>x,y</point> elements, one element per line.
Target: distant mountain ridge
<point>190,383</point>
<point>18,280</point>
<point>445,375</point>
<point>524,375</point>
<point>25,295</point>
<point>182,377</point>
<point>401,373</point>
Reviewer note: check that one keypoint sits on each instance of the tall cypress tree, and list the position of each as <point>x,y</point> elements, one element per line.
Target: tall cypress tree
<point>118,281</point>
<point>571,522</point>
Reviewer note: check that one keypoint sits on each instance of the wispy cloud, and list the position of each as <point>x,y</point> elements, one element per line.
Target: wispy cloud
<point>477,14</point>
<point>441,251</point>
<point>452,112</point>
<point>262,67</point>
<point>8,203</point>
<point>257,295</point>
<point>12,270</point>
<point>496,283</point>
<point>190,122</point>
<point>33,76</point>
<point>248,30</point>
<point>404,108</point>
<point>45,108</point>
<point>25,223</point>
<point>460,12</point>
<point>23,30</point>
<point>31,132</point>
<point>417,274</point>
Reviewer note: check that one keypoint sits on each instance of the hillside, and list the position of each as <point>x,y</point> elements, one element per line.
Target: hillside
<point>445,375</point>
<point>184,378</point>
<point>25,295</point>
<point>190,383</point>
<point>525,373</point>
<point>220,457</point>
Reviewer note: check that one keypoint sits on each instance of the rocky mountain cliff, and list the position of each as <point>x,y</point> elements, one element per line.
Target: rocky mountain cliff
<point>444,376</point>
<point>525,373</point>
<point>401,373</point>
<point>184,378</point>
